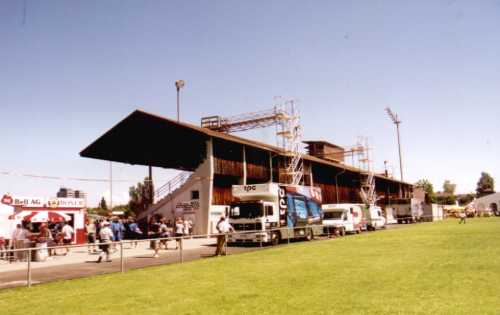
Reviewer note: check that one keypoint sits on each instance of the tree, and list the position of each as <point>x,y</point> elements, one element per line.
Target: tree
<point>485,185</point>
<point>445,199</point>
<point>141,196</point>
<point>466,199</point>
<point>449,188</point>
<point>426,185</point>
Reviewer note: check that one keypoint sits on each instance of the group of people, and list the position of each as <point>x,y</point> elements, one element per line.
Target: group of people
<point>43,235</point>
<point>103,233</point>
<point>107,231</point>
<point>160,229</point>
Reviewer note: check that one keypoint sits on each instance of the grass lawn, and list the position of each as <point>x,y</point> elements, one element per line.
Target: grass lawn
<point>431,268</point>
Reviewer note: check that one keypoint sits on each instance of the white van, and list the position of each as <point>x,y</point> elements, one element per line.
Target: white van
<point>343,218</point>
<point>374,218</point>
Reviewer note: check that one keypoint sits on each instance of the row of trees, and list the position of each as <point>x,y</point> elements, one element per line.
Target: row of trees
<point>141,197</point>
<point>485,186</point>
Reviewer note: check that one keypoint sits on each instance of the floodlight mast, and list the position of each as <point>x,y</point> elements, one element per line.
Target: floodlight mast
<point>179,84</point>
<point>395,119</point>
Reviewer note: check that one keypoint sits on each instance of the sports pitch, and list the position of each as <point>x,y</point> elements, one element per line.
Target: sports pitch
<point>431,268</point>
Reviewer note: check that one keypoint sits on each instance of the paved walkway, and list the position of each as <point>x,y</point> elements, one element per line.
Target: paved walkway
<point>77,255</point>
<point>79,263</point>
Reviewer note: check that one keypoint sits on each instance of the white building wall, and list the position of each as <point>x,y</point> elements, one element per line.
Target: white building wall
<point>202,181</point>
<point>484,204</point>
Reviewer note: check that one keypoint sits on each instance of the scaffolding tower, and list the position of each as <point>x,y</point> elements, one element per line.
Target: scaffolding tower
<point>285,117</point>
<point>367,188</point>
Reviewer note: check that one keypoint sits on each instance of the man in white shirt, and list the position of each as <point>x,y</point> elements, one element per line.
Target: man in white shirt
<point>106,237</point>
<point>68,232</point>
<point>179,231</point>
<point>19,240</point>
<point>223,227</point>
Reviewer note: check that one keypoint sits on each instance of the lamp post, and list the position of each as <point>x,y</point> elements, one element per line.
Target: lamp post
<point>179,84</point>
<point>395,119</point>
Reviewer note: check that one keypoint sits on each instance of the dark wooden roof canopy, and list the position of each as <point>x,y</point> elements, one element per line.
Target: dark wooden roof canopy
<point>146,139</point>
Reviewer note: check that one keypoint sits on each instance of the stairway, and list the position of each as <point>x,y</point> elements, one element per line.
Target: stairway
<point>164,193</point>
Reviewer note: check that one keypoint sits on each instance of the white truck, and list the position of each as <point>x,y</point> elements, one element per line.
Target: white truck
<point>407,210</point>
<point>374,217</point>
<point>270,213</point>
<point>343,218</point>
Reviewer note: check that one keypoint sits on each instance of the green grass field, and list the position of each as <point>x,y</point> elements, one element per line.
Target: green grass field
<point>431,268</point>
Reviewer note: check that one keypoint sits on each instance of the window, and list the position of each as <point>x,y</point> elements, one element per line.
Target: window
<point>314,209</point>
<point>247,210</point>
<point>300,208</point>
<point>269,210</point>
<point>333,215</point>
<point>195,194</point>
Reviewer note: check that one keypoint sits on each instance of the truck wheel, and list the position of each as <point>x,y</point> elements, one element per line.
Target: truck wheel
<point>309,235</point>
<point>275,239</point>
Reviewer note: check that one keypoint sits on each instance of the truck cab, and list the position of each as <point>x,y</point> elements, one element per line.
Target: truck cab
<point>271,212</point>
<point>343,218</point>
<point>251,219</point>
<point>374,217</point>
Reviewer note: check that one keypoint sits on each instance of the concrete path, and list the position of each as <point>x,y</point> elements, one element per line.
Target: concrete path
<point>79,263</point>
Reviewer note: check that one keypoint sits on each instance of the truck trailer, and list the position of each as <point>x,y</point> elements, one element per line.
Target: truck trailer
<point>272,212</point>
<point>407,210</point>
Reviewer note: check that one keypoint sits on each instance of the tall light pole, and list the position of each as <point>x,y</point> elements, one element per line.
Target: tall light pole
<point>111,185</point>
<point>395,119</point>
<point>179,84</point>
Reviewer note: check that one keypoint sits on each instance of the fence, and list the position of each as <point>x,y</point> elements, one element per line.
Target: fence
<point>257,238</point>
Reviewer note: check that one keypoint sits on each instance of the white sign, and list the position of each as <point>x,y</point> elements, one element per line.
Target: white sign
<point>71,202</point>
<point>38,202</point>
<point>28,202</point>
<point>255,191</point>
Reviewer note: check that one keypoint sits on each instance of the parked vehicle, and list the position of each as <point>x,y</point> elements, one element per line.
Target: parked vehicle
<point>264,208</point>
<point>343,218</point>
<point>374,218</point>
<point>407,210</point>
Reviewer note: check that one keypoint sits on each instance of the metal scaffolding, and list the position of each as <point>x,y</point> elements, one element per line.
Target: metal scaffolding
<point>286,118</point>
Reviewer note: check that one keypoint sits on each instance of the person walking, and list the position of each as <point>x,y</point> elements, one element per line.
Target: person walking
<point>118,230</point>
<point>164,233</point>
<point>19,240</point>
<point>105,239</point>
<point>42,241</point>
<point>191,227</point>
<point>179,231</point>
<point>154,234</point>
<point>91,230</point>
<point>135,232</point>
<point>462,216</point>
<point>223,227</point>
<point>186,227</point>
<point>67,232</point>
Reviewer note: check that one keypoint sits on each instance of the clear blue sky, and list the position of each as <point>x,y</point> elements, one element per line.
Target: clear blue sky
<point>69,70</point>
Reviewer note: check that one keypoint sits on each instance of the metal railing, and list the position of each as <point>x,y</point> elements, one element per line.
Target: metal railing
<point>172,185</point>
<point>326,231</point>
